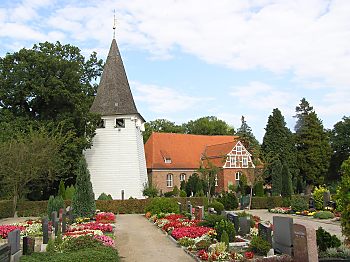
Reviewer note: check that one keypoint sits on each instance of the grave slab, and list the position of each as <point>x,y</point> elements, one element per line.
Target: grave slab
<point>304,243</point>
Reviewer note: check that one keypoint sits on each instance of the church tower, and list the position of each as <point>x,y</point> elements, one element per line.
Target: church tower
<point>116,160</point>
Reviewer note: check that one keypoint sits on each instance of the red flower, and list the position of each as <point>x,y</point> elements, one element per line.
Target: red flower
<point>202,254</point>
<point>248,255</point>
<point>191,232</point>
<point>5,229</point>
<point>105,217</point>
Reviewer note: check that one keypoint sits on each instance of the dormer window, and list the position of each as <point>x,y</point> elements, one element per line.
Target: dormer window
<point>120,123</point>
<point>167,160</point>
<point>101,124</point>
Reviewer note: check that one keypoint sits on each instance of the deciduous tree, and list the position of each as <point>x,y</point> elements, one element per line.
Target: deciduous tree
<point>209,125</point>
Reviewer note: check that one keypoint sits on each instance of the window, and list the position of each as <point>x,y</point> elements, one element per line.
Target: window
<point>167,160</point>
<point>101,124</point>
<point>182,177</point>
<point>120,123</point>
<point>245,161</point>
<point>216,180</point>
<point>233,160</point>
<point>239,149</point>
<point>169,180</point>
<point>238,175</point>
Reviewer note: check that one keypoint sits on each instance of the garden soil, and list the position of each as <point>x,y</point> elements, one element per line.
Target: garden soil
<point>138,240</point>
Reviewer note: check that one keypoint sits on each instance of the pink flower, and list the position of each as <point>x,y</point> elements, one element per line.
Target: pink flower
<point>106,240</point>
<point>5,229</point>
<point>191,232</point>
<point>105,217</point>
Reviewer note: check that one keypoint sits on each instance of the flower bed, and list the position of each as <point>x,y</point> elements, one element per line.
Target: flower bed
<point>191,232</point>
<point>281,210</point>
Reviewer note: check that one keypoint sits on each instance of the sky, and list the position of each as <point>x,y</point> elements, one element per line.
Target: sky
<point>187,59</point>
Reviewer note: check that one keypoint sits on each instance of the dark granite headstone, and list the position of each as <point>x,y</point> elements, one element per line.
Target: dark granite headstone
<point>28,245</point>
<point>13,238</point>
<point>56,225</point>
<point>304,243</point>
<point>283,235</point>
<point>5,253</point>
<point>234,219</point>
<point>45,225</point>
<point>311,203</point>
<point>265,232</point>
<point>244,225</point>
<point>53,217</point>
<point>64,223</point>
<point>326,198</point>
<point>245,200</point>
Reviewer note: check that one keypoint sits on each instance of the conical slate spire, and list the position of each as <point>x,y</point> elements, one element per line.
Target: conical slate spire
<point>113,94</point>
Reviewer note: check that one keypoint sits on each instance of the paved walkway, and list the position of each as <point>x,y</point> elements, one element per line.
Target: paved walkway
<point>139,240</point>
<point>333,227</point>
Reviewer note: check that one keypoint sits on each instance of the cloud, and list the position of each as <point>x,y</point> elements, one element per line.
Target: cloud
<point>166,100</point>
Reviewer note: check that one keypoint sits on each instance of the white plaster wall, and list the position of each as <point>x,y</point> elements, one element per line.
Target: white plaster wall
<point>116,160</point>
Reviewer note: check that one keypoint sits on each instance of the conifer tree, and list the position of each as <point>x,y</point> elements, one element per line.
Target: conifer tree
<point>83,202</point>
<point>62,190</point>
<point>287,188</point>
<point>279,142</point>
<point>248,139</point>
<point>276,175</point>
<point>313,145</point>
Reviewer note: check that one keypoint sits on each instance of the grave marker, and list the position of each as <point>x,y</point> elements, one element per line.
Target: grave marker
<point>56,225</point>
<point>64,223</point>
<point>5,253</point>
<point>53,217</point>
<point>45,225</point>
<point>283,235</point>
<point>199,212</point>
<point>234,219</point>
<point>326,198</point>
<point>265,232</point>
<point>13,239</point>
<point>28,245</point>
<point>311,203</point>
<point>304,243</point>
<point>244,225</point>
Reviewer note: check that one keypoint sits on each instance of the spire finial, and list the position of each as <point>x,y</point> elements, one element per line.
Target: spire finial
<point>114,25</point>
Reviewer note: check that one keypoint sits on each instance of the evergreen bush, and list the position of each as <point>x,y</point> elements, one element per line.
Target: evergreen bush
<point>219,207</point>
<point>299,203</point>
<point>150,190</point>
<point>323,215</point>
<point>326,240</point>
<point>55,204</point>
<point>229,200</point>
<point>225,239</point>
<point>259,246</point>
<point>183,193</point>
<point>70,190</point>
<point>287,187</point>
<point>276,175</point>
<point>83,202</point>
<point>259,189</point>
<point>211,220</point>
<point>162,205</point>
<point>104,196</point>
<point>227,226</point>
<point>318,196</point>
<point>62,190</point>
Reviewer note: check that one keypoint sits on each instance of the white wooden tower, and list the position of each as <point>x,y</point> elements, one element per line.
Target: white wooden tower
<point>116,160</point>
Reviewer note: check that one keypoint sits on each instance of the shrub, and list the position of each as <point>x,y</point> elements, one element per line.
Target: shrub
<point>186,241</point>
<point>336,252</point>
<point>104,196</point>
<point>259,246</point>
<point>318,196</point>
<point>162,205</point>
<point>62,190</point>
<point>229,201</point>
<point>299,203</point>
<point>169,194</point>
<point>6,208</point>
<point>323,215</point>
<point>259,189</point>
<point>225,239</point>
<point>203,244</point>
<point>150,190</point>
<point>211,220</point>
<point>183,193</point>
<point>219,207</point>
<point>70,190</point>
<point>54,204</point>
<point>82,242</point>
<point>326,240</point>
<point>83,202</point>
<point>227,226</point>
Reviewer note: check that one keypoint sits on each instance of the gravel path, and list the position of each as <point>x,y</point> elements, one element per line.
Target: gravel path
<point>332,227</point>
<point>139,240</point>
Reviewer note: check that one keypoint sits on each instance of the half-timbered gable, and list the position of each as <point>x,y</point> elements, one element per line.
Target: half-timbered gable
<point>239,157</point>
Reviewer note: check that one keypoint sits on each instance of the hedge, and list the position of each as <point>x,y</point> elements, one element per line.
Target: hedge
<point>272,202</point>
<point>129,206</point>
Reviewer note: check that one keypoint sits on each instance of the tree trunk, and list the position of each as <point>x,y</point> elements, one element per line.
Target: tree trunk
<point>14,204</point>
<point>250,199</point>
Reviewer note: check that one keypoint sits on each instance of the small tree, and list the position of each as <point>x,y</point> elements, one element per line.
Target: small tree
<point>276,175</point>
<point>83,202</point>
<point>149,190</point>
<point>209,172</point>
<point>70,190</point>
<point>287,187</point>
<point>62,190</point>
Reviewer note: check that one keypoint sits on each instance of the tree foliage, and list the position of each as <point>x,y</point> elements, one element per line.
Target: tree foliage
<point>83,202</point>
<point>209,125</point>
<point>287,187</point>
<point>161,126</point>
<point>340,142</point>
<point>313,145</point>
<point>276,175</point>
<point>51,86</point>
<point>248,139</point>
<point>279,142</point>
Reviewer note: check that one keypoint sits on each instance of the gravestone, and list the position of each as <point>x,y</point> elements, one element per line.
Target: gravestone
<point>56,225</point>
<point>123,193</point>
<point>283,235</point>
<point>199,213</point>
<point>13,239</point>
<point>304,243</point>
<point>233,218</point>
<point>5,253</point>
<point>326,198</point>
<point>45,225</point>
<point>28,245</point>
<point>180,206</point>
<point>245,200</point>
<point>64,223</point>
<point>244,225</point>
<point>189,205</point>
<point>311,203</point>
<point>53,217</point>
<point>265,232</point>
<point>60,213</point>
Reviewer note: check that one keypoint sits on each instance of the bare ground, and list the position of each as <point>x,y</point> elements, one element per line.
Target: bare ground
<point>138,240</point>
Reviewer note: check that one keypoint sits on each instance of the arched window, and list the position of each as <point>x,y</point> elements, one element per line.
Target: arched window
<point>216,180</point>
<point>238,175</point>
<point>169,180</point>
<point>182,177</point>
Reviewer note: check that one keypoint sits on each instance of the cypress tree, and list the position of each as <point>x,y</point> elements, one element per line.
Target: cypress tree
<point>287,188</point>
<point>83,202</point>
<point>248,139</point>
<point>279,142</point>
<point>276,175</point>
<point>313,145</point>
<point>62,190</point>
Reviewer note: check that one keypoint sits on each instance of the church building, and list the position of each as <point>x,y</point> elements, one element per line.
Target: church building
<point>116,160</point>
<point>172,158</point>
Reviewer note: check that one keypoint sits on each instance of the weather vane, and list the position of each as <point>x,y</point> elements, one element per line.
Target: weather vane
<point>114,25</point>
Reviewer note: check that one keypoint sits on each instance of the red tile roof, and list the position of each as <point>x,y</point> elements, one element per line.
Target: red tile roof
<point>184,150</point>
